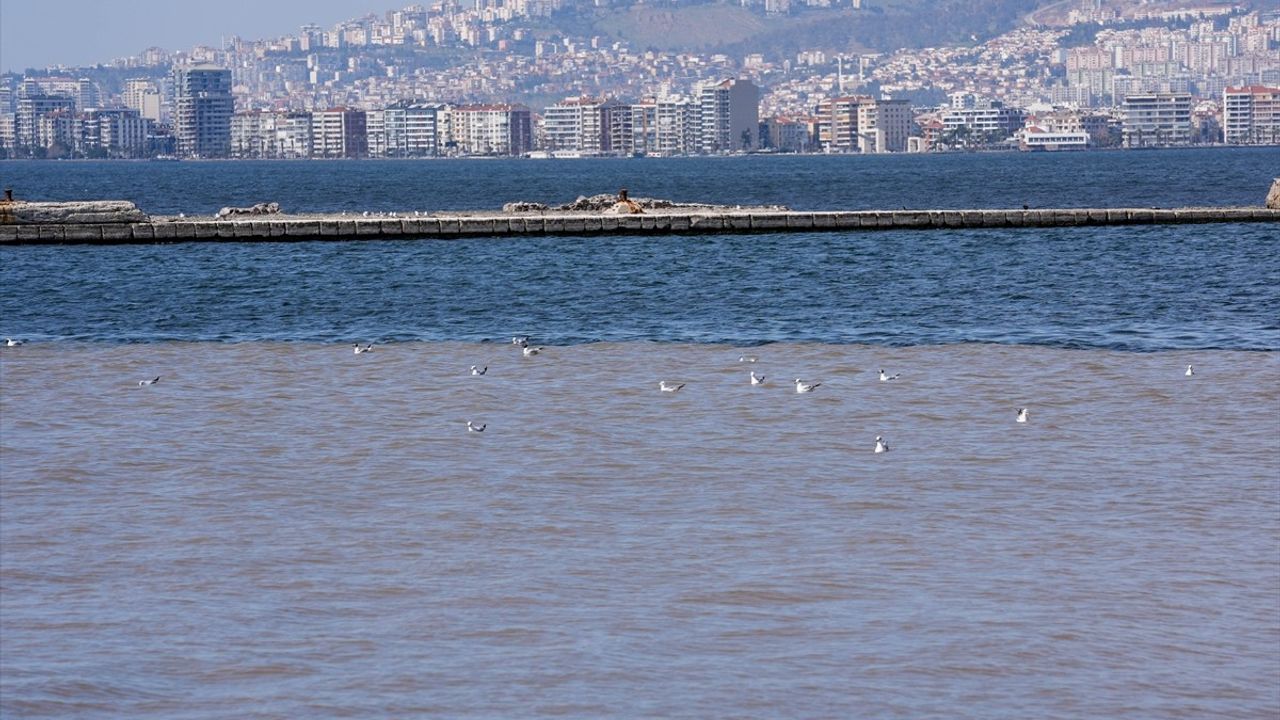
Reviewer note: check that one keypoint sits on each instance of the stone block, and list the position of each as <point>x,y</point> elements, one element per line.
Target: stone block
<point>302,228</point>
<point>116,232</point>
<point>225,229</point>
<point>630,223</point>
<point>800,220</point>
<point>367,228</point>
<point>143,231</point>
<point>184,230</point>
<point>8,233</point>
<point>768,221</point>
<point>52,233</point>
<point>83,233</point>
<point>697,223</point>
<point>164,231</point>
<point>390,228</point>
<point>329,228</point>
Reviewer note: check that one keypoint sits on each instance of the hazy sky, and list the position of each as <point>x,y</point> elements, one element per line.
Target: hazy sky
<point>38,33</point>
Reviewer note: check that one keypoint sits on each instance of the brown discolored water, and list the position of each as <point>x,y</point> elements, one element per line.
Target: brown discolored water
<point>293,530</point>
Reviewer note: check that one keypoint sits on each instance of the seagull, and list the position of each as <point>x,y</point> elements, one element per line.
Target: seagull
<point>1190,370</point>
<point>530,351</point>
<point>366,214</point>
<point>471,427</point>
<point>756,379</point>
<point>477,371</point>
<point>1022,415</point>
<point>881,445</point>
<point>747,358</point>
<point>365,349</point>
<point>10,342</point>
<point>665,386</point>
<point>521,341</point>
<point>887,378</point>
<point>152,381</point>
<point>804,387</point>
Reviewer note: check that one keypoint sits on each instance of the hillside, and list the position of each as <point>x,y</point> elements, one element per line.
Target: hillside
<point>882,25</point>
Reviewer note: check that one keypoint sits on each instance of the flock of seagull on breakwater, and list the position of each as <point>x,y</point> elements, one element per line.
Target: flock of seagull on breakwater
<point>663,385</point>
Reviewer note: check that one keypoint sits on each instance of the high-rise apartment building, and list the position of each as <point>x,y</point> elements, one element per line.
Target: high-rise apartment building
<point>1157,119</point>
<point>339,133</point>
<point>883,125</point>
<point>491,129</point>
<point>1251,115</point>
<point>202,112</point>
<point>729,116</point>
<point>676,126</point>
<point>579,124</point>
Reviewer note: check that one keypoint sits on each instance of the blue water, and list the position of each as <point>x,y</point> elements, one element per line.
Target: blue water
<point>1165,178</point>
<point>1129,288</point>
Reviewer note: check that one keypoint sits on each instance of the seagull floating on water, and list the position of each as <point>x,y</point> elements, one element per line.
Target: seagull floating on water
<point>358,349</point>
<point>881,445</point>
<point>804,387</point>
<point>887,378</point>
<point>478,371</point>
<point>472,427</point>
<point>10,342</point>
<point>152,381</point>
<point>747,358</point>
<point>756,379</point>
<point>1190,371</point>
<point>665,386</point>
<point>530,351</point>
<point>1022,415</point>
<point>521,341</point>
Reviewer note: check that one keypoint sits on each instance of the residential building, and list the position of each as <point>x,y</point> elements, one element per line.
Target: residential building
<point>203,109</point>
<point>491,129</point>
<point>1157,119</point>
<point>33,105</point>
<point>581,124</point>
<point>1251,115</point>
<point>728,116</point>
<point>339,132</point>
<point>676,128</point>
<point>883,125</point>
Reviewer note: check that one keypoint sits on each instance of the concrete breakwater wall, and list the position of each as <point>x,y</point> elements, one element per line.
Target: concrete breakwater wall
<point>455,225</point>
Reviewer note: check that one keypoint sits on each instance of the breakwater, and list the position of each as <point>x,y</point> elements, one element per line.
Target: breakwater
<point>455,225</point>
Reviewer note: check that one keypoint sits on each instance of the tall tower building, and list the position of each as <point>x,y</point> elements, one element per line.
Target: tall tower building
<point>203,108</point>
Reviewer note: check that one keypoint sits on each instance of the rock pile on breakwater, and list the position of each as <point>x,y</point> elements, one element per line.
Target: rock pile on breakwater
<point>259,209</point>
<point>99,212</point>
<point>606,202</point>
<point>1273,197</point>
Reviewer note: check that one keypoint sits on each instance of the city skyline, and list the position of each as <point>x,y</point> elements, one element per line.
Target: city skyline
<point>78,33</point>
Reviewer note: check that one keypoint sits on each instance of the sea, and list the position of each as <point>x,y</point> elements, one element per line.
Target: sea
<point>280,527</point>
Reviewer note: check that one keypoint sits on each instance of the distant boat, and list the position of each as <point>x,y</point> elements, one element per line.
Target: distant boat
<point>165,158</point>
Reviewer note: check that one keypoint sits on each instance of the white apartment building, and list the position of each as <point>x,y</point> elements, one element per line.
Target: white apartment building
<point>491,129</point>
<point>1251,115</point>
<point>404,130</point>
<point>579,124</point>
<point>1156,119</point>
<point>675,126</point>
